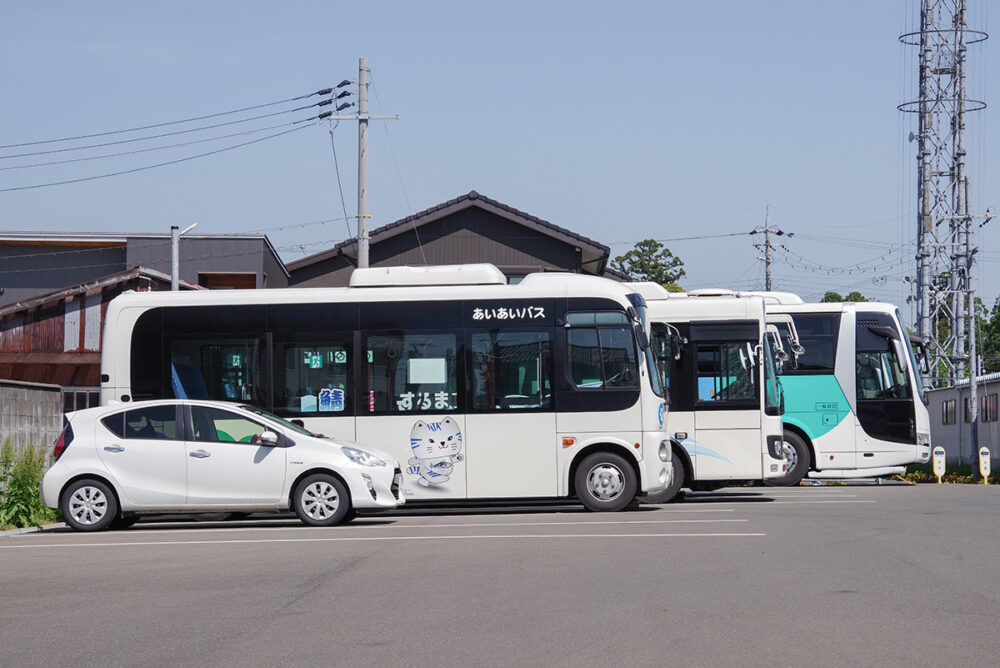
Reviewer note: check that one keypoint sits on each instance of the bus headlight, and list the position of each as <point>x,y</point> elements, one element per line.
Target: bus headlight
<point>923,439</point>
<point>664,451</point>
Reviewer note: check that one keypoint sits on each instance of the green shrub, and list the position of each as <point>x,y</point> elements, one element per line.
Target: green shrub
<point>20,476</point>
<point>960,475</point>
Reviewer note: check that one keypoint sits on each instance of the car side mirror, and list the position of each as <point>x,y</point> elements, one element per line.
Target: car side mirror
<point>268,439</point>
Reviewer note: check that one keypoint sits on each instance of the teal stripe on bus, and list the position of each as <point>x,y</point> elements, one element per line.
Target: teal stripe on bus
<point>814,404</point>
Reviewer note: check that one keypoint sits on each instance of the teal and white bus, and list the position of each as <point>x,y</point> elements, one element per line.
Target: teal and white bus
<point>854,403</point>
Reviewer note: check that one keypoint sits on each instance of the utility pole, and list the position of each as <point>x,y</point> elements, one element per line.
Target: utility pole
<point>767,246</point>
<point>363,163</point>
<point>362,117</point>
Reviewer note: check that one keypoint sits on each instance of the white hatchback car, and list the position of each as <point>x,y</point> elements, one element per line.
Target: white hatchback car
<point>115,463</point>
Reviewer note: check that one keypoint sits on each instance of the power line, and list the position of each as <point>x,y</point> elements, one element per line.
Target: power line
<point>709,236</point>
<point>168,134</point>
<point>154,148</point>
<point>325,91</point>
<point>161,164</point>
<point>340,185</point>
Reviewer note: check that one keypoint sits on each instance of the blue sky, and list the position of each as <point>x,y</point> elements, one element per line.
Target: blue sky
<point>622,122</point>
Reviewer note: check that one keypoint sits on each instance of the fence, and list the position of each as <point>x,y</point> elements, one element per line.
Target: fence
<point>30,413</point>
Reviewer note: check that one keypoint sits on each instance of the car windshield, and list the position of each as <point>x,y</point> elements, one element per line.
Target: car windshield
<point>274,418</point>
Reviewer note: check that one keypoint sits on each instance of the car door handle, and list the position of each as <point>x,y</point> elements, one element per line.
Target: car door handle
<point>114,448</point>
<point>201,454</point>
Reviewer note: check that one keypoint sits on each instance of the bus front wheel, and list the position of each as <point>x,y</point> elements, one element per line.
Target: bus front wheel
<point>605,482</point>
<point>797,459</point>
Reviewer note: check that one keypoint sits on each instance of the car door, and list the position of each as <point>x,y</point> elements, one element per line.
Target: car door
<point>143,449</point>
<point>227,466</point>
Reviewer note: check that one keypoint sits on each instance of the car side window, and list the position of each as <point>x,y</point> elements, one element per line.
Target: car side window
<point>151,422</point>
<point>214,425</point>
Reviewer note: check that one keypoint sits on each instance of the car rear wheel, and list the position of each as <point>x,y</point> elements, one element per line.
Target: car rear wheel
<point>89,505</point>
<point>321,500</point>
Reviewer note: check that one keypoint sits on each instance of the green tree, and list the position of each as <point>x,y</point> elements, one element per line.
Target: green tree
<point>854,296</point>
<point>650,260</point>
<point>990,345</point>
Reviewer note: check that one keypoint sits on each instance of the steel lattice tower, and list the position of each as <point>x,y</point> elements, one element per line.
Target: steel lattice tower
<point>945,250</point>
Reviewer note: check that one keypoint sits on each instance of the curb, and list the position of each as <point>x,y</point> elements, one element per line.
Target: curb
<point>16,532</point>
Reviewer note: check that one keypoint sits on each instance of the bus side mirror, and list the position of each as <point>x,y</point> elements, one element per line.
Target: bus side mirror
<point>640,336</point>
<point>901,355</point>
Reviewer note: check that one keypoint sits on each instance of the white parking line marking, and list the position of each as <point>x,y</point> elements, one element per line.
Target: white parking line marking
<point>799,496</point>
<point>696,510</point>
<point>360,539</point>
<point>790,502</point>
<point>171,531</point>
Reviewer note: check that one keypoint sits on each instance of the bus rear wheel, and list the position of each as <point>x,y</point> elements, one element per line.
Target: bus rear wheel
<point>797,458</point>
<point>605,482</point>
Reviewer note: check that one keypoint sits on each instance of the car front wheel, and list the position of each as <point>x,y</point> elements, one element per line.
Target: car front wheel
<point>89,505</point>
<point>321,500</point>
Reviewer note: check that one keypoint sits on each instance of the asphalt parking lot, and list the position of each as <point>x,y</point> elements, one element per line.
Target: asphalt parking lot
<point>850,575</point>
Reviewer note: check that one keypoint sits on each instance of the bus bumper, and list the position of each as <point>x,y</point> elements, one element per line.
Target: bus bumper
<point>655,468</point>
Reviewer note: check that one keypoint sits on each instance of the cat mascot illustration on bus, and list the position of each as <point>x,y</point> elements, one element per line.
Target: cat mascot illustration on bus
<point>436,447</point>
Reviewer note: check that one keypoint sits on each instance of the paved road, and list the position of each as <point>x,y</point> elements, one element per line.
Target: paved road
<point>808,576</point>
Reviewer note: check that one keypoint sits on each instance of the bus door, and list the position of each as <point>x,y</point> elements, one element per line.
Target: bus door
<point>725,373</point>
<point>511,419</point>
<point>408,406</point>
<point>886,420</point>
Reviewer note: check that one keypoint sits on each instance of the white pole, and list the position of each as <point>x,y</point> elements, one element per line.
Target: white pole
<point>175,260</point>
<point>363,163</point>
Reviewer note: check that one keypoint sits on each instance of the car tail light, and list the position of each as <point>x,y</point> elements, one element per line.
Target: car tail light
<point>65,438</point>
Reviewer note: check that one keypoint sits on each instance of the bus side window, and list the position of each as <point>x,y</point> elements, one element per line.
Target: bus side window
<point>602,357</point>
<point>314,377</point>
<point>409,372</point>
<point>725,373</point>
<point>511,370</point>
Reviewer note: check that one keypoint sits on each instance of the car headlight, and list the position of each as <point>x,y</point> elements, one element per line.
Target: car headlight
<point>362,457</point>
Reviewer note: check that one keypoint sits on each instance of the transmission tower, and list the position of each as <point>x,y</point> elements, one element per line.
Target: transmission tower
<point>945,248</point>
